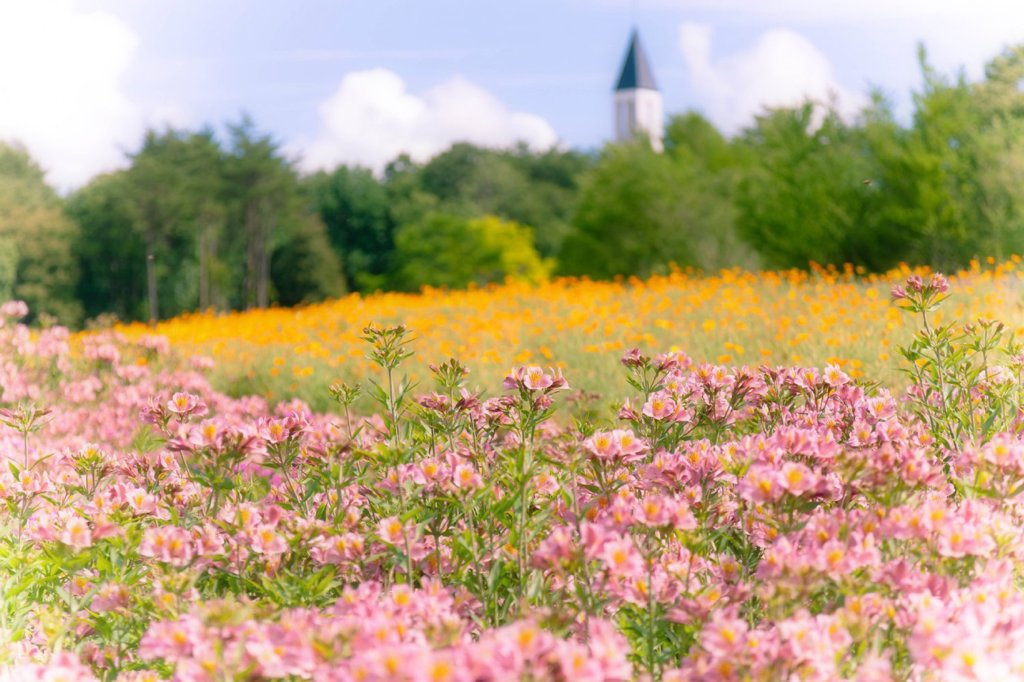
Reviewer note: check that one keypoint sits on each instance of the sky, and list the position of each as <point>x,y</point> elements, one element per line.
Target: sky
<point>358,82</point>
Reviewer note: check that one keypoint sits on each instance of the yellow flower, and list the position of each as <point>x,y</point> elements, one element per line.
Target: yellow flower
<point>808,318</point>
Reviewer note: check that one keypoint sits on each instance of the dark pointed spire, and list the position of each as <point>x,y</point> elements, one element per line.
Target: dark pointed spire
<point>636,70</point>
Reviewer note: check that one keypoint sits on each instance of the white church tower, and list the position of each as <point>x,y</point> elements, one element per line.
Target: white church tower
<point>638,109</point>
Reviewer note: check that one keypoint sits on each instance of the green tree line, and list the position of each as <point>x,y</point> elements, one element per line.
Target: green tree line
<point>199,221</point>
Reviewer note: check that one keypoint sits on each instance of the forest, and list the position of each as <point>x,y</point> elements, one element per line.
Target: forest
<point>201,219</point>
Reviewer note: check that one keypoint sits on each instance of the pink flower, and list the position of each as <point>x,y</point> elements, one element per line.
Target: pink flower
<point>628,446</point>
<point>534,378</point>
<point>654,510</point>
<point>336,549</point>
<point>760,484</point>
<point>14,309</point>
<point>172,640</point>
<point>576,663</point>
<point>209,541</point>
<point>275,431</point>
<point>682,518</point>
<point>633,358</point>
<point>81,583</point>
<point>186,405</point>
<point>673,361</point>
<point>834,559</point>
<point>660,406</point>
<point>76,533</point>
<point>466,477</point>
<point>110,597</point>
<point>617,444</point>
<point>622,558</point>
<point>266,540</point>
<point>63,667</point>
<point>200,362</point>
<point>32,482</point>
<point>430,472</point>
<point>797,478</point>
<point>140,501</point>
<point>939,283</point>
<point>602,445</point>
<point>168,544</point>
<point>391,530</point>
<point>610,649</point>
<point>835,377</point>
<point>206,435</point>
<point>724,635</point>
<point>554,549</point>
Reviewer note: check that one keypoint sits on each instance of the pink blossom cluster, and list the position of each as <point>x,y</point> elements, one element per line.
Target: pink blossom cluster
<point>401,634</point>
<point>728,523</point>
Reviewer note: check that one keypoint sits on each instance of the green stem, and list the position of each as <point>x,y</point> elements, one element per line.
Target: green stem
<point>939,374</point>
<point>650,617</point>
<point>521,466</point>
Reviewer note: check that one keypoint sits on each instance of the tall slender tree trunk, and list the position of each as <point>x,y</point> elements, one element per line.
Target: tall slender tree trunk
<point>257,254</point>
<point>263,283</point>
<point>207,258</point>
<point>204,269</point>
<point>251,259</point>
<point>154,313</point>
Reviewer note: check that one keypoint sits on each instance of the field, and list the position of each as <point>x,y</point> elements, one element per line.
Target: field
<point>755,492</point>
<point>732,318</point>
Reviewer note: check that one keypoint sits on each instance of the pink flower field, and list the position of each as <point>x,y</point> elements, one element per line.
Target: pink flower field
<point>718,523</point>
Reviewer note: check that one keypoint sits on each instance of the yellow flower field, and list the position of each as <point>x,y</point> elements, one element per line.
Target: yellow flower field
<point>583,327</point>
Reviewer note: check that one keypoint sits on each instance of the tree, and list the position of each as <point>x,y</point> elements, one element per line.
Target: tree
<point>36,238</point>
<point>355,208</point>
<point>554,176</point>
<point>110,251</point>
<point>1000,150</point>
<point>926,177</point>
<point>304,268</point>
<point>640,211</point>
<point>176,183</point>
<point>444,250</point>
<point>713,168</point>
<point>804,198</point>
<point>690,138</point>
<point>263,190</point>
<point>535,189</point>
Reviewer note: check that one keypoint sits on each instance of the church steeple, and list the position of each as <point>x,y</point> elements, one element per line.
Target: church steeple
<point>638,106</point>
<point>636,70</point>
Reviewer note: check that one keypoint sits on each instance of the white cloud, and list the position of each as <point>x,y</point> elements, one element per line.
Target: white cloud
<point>781,69</point>
<point>372,118</point>
<point>60,87</point>
<point>956,32</point>
<point>840,11</point>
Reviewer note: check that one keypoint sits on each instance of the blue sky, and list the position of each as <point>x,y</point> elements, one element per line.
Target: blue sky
<point>355,82</point>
